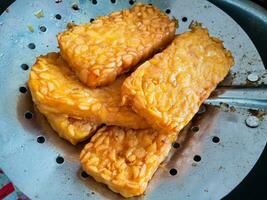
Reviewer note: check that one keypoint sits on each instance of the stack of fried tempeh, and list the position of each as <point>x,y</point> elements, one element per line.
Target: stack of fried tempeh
<point>143,112</point>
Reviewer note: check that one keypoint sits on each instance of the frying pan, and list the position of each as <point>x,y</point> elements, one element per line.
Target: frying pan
<point>214,152</point>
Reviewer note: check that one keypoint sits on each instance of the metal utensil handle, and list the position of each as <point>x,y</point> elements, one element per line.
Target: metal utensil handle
<point>255,98</point>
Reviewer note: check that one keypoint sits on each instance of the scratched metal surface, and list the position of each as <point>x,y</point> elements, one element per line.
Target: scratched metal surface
<point>32,166</point>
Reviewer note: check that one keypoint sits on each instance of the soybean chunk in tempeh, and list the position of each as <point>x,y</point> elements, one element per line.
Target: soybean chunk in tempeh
<point>125,159</point>
<point>168,89</point>
<point>71,129</point>
<point>56,89</point>
<point>100,51</point>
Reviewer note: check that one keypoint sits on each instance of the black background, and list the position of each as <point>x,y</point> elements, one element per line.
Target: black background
<point>254,186</point>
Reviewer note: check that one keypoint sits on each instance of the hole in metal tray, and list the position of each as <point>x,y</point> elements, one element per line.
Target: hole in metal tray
<point>131,2</point>
<point>75,7</point>
<point>28,115</point>
<point>173,172</point>
<point>23,89</point>
<point>24,67</point>
<point>40,139</point>
<point>216,139</point>
<point>94,2</point>
<point>184,19</point>
<point>168,11</point>
<point>84,174</point>
<point>176,145</point>
<point>42,28</point>
<point>195,129</point>
<point>197,158</point>
<point>31,46</point>
<point>58,16</point>
<point>60,160</point>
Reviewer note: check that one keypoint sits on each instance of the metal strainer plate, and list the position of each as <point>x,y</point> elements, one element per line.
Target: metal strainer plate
<point>209,162</point>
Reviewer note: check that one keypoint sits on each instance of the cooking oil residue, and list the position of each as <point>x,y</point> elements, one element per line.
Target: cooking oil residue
<point>257,113</point>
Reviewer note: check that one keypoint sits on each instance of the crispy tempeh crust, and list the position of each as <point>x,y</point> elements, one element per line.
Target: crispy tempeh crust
<point>168,89</point>
<point>100,51</point>
<point>56,89</point>
<point>125,159</point>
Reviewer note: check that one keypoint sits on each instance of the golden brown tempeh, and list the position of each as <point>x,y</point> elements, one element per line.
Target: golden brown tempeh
<point>168,89</point>
<point>56,89</point>
<point>125,159</point>
<point>100,51</point>
<point>71,129</point>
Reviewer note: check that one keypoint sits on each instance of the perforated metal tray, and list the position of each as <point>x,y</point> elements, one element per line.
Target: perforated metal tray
<point>209,162</point>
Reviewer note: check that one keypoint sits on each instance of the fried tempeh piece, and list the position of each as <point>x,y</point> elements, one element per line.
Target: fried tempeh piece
<point>71,129</point>
<point>55,88</point>
<point>168,89</point>
<point>111,45</point>
<point>125,159</point>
